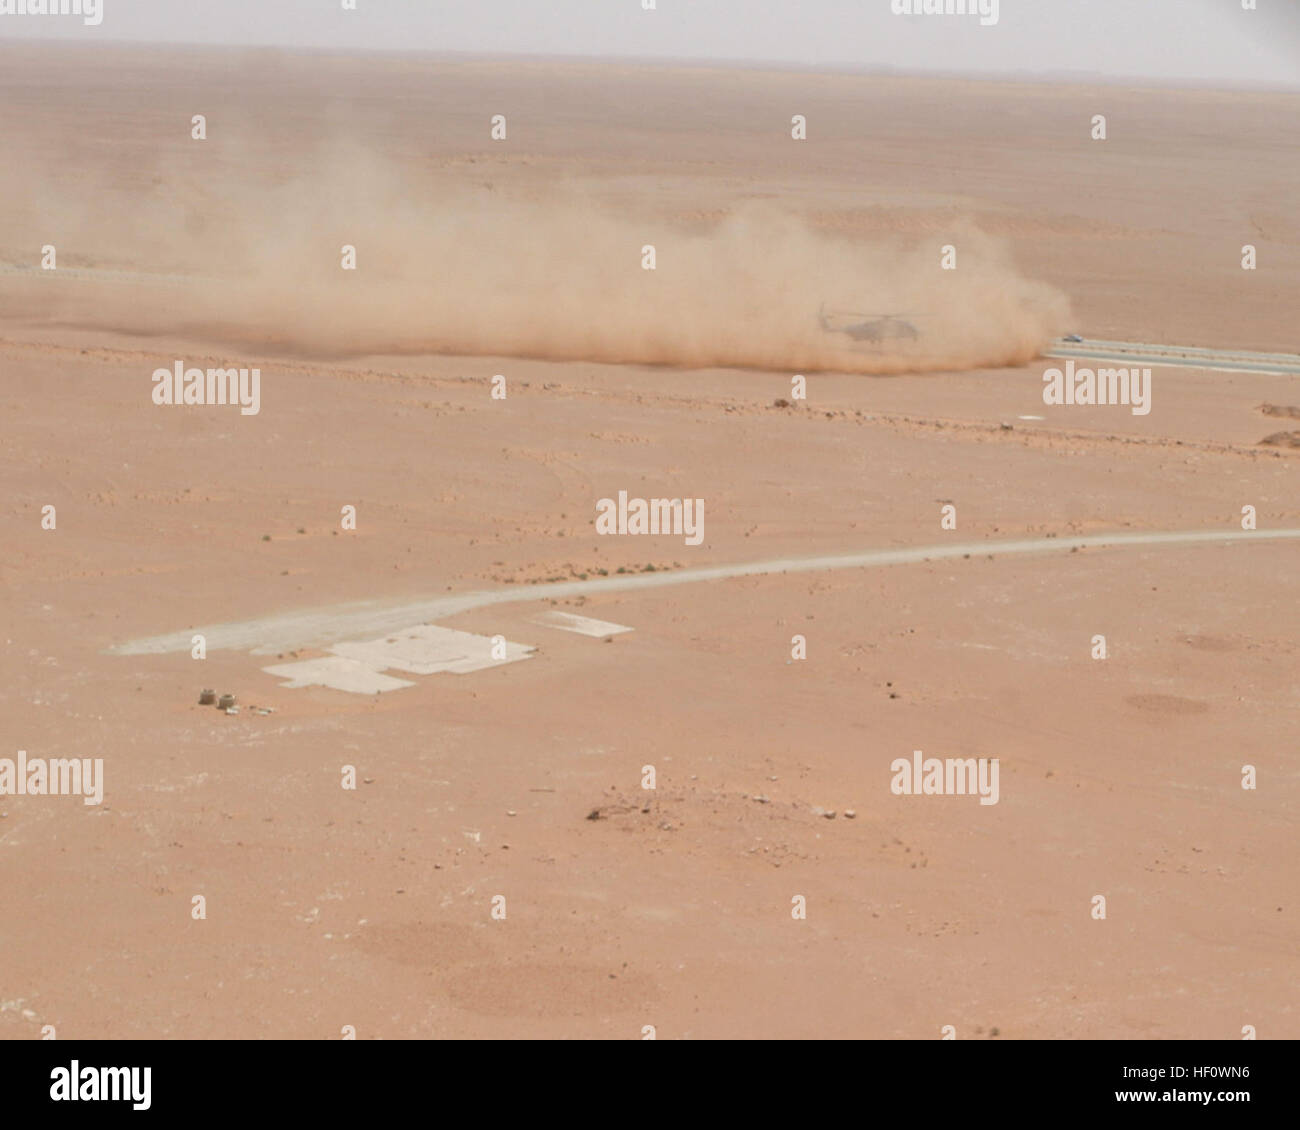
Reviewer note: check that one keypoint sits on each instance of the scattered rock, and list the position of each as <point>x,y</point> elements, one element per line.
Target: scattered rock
<point>761,799</point>
<point>849,814</point>
<point>828,813</point>
<point>1280,410</point>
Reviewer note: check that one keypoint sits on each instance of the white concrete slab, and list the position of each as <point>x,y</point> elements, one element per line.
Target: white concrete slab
<point>583,625</point>
<point>338,672</point>
<point>428,649</point>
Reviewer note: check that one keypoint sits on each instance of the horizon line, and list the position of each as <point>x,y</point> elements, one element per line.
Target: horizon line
<point>834,68</point>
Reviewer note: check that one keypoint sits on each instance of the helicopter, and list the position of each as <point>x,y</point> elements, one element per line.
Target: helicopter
<point>875,328</point>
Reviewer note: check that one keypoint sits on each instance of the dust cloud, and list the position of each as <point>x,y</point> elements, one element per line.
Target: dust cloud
<point>550,271</point>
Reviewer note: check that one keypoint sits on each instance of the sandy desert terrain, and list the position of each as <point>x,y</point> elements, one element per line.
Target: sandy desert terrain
<point>625,907</point>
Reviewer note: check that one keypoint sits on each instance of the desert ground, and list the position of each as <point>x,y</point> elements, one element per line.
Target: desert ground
<point>373,908</point>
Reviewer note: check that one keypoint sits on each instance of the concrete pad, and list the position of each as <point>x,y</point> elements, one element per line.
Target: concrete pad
<point>425,649</point>
<point>338,672</point>
<point>428,650</point>
<point>583,625</point>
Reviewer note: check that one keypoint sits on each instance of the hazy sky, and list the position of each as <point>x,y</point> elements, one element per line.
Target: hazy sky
<point>1215,41</point>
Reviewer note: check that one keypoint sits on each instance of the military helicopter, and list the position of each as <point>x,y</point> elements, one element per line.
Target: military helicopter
<point>874,328</point>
